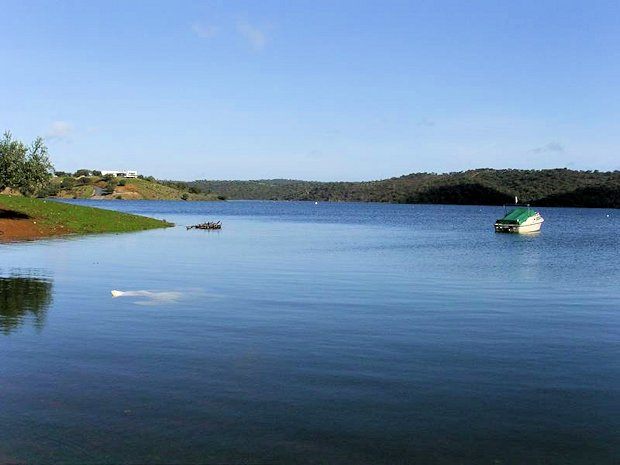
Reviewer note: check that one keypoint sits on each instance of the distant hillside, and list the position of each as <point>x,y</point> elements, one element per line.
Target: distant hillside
<point>112,188</point>
<point>554,187</point>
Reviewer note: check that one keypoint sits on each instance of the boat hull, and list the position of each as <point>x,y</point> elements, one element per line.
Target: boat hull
<point>527,227</point>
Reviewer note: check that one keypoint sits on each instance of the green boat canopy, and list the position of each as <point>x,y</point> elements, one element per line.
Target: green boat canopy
<point>517,216</point>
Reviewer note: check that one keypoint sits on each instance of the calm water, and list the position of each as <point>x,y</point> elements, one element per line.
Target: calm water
<point>303,333</point>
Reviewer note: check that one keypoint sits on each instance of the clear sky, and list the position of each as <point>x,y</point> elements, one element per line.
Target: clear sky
<point>313,89</point>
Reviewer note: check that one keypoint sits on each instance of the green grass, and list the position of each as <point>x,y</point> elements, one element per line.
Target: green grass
<point>84,192</point>
<point>153,191</point>
<point>62,218</point>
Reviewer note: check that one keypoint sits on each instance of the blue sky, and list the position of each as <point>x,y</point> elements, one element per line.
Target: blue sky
<point>323,90</point>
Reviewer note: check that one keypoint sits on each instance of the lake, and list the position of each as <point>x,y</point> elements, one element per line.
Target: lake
<point>310,333</point>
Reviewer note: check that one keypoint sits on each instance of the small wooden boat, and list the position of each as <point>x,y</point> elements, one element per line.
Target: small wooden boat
<point>207,225</point>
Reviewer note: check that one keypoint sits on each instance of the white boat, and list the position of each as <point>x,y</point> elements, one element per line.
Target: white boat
<point>520,219</point>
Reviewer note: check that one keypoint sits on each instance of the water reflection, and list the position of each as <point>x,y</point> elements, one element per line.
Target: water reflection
<point>24,296</point>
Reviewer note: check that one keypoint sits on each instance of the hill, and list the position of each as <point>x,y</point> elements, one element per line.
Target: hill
<point>112,188</point>
<point>553,187</point>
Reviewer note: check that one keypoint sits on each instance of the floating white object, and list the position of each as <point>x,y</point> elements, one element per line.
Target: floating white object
<point>149,295</point>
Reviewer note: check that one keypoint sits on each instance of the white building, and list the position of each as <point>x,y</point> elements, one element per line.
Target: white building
<point>120,174</point>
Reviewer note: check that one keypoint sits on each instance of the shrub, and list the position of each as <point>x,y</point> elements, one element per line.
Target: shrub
<point>112,183</point>
<point>51,190</point>
<point>67,183</point>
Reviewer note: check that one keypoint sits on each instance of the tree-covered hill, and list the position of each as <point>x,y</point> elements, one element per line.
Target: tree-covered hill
<point>553,187</point>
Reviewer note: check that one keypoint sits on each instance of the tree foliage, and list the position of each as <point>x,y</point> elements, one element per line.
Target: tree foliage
<point>557,187</point>
<point>24,168</point>
<point>111,184</point>
<point>67,182</point>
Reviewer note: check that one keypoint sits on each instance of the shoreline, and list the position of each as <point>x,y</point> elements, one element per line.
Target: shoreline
<point>27,219</point>
<point>17,230</point>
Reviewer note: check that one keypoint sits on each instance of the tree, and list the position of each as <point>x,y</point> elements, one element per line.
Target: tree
<point>37,169</point>
<point>52,190</point>
<point>24,168</point>
<point>12,158</point>
<point>111,185</point>
<point>68,183</point>
<point>82,172</point>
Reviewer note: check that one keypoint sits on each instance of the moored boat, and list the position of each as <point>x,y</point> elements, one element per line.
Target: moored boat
<point>520,219</point>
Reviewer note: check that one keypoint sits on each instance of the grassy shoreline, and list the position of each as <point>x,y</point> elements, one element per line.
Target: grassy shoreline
<point>28,218</point>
